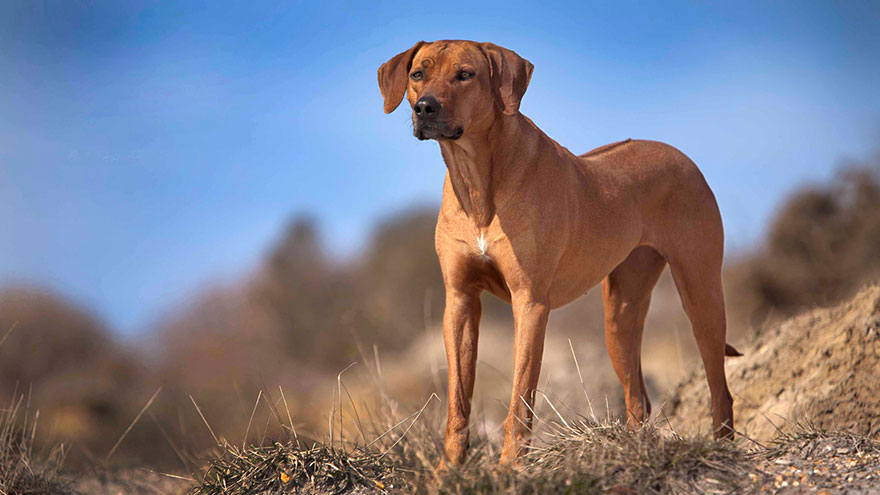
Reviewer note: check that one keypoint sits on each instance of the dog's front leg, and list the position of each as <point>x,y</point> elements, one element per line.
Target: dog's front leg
<point>461,321</point>
<point>530,319</point>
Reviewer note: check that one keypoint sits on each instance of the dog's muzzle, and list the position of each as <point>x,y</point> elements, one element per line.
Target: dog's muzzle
<point>427,123</point>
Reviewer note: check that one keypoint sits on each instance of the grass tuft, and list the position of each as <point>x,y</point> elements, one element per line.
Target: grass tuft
<point>573,457</point>
<point>21,471</point>
<point>585,457</point>
<point>286,468</point>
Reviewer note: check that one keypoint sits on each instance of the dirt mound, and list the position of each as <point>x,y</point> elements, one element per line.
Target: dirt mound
<point>820,368</point>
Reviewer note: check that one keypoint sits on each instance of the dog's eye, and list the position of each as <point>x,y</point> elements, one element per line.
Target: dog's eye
<point>417,75</point>
<point>465,75</point>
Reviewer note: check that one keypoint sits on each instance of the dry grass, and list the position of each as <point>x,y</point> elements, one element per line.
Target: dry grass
<point>22,471</point>
<point>586,457</point>
<point>392,449</point>
<point>568,456</point>
<point>280,468</point>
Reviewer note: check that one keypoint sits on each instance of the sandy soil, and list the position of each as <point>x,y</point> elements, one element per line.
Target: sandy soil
<point>820,368</point>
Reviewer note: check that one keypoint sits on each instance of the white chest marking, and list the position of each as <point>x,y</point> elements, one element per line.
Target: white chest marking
<point>482,245</point>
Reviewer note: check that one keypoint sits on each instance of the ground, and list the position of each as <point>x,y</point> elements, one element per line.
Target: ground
<point>821,368</point>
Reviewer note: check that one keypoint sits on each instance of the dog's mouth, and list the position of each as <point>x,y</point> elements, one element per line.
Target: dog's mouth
<point>424,132</point>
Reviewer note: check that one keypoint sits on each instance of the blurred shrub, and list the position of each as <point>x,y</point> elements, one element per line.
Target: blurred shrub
<point>51,337</point>
<point>312,303</point>
<point>296,321</point>
<point>399,278</point>
<point>314,310</point>
<point>822,245</point>
<point>64,361</point>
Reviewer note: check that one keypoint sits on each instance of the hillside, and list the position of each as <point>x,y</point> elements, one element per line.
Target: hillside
<point>821,368</point>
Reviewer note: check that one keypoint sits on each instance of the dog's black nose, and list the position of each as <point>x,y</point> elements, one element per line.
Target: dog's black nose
<point>427,106</point>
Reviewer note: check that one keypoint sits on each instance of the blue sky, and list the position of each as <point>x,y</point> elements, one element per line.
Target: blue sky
<point>149,149</point>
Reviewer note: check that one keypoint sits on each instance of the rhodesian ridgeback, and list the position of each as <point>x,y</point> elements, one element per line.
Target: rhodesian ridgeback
<point>529,221</point>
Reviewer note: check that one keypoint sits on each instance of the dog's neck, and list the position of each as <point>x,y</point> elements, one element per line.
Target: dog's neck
<point>486,168</point>
<point>470,173</point>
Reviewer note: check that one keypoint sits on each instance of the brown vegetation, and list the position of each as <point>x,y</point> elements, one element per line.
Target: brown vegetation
<point>823,244</point>
<point>83,383</point>
<point>574,456</point>
<point>22,469</point>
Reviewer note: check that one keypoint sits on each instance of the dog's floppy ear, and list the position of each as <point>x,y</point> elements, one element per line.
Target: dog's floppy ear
<point>509,74</point>
<point>393,76</point>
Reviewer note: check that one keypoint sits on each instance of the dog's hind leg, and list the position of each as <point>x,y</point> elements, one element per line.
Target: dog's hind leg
<point>626,293</point>
<point>697,275</point>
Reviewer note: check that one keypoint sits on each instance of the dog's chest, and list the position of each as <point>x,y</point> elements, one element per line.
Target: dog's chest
<point>469,241</point>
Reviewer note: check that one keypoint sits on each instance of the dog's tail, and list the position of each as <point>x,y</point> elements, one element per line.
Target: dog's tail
<point>729,350</point>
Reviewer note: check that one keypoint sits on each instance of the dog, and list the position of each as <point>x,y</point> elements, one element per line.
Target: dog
<point>537,226</point>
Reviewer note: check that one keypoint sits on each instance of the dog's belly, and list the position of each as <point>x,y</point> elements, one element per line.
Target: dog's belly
<point>574,278</point>
<point>565,291</point>
<point>580,270</point>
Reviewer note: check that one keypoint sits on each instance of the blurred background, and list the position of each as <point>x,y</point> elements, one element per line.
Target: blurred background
<point>208,197</point>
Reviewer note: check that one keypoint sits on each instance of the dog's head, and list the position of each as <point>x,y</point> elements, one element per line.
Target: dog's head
<point>454,87</point>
